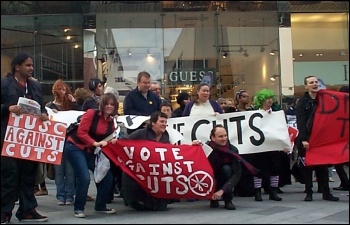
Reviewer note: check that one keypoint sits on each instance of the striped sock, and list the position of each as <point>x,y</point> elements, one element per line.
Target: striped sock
<point>257,182</point>
<point>274,181</point>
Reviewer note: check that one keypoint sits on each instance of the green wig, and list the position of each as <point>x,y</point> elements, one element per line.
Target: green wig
<point>261,96</point>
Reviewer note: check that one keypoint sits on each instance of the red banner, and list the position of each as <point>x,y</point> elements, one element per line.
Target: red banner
<point>329,141</point>
<point>27,137</point>
<point>164,170</point>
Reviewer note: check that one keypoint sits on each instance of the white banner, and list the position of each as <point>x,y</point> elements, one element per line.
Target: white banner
<point>67,117</point>
<point>250,131</point>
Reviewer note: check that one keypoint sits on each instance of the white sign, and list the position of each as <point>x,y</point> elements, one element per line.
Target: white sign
<point>67,117</point>
<point>250,131</point>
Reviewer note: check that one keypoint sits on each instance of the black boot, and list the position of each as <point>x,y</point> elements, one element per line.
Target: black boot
<point>273,194</point>
<point>258,195</point>
<point>330,197</point>
<point>308,198</point>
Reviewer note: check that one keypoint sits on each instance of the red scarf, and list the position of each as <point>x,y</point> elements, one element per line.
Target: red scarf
<point>227,149</point>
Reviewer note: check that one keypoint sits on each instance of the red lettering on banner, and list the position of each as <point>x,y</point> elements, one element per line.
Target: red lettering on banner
<point>27,137</point>
<point>164,170</point>
<point>329,140</point>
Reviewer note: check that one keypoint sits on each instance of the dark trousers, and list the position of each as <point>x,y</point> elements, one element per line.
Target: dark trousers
<point>267,163</point>
<point>322,178</point>
<point>344,179</point>
<point>221,178</point>
<point>136,197</point>
<point>17,181</point>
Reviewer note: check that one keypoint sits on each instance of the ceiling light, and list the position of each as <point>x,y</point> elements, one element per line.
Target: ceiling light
<point>224,56</point>
<point>273,77</point>
<point>273,51</point>
<point>301,54</point>
<point>129,52</point>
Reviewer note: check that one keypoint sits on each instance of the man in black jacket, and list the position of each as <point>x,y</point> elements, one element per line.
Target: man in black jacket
<point>226,167</point>
<point>18,175</point>
<point>305,113</point>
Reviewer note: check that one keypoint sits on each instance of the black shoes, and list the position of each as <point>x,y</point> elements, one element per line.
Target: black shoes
<point>5,218</point>
<point>229,205</point>
<point>340,188</point>
<point>308,198</point>
<point>330,197</point>
<point>257,195</point>
<point>273,194</point>
<point>214,204</point>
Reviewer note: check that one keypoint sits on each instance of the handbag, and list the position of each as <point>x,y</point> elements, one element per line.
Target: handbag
<point>102,165</point>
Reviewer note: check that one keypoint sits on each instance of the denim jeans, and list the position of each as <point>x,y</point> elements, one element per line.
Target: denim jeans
<point>82,162</point>
<point>65,180</point>
<point>221,179</point>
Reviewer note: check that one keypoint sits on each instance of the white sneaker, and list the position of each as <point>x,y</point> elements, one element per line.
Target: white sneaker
<point>79,214</point>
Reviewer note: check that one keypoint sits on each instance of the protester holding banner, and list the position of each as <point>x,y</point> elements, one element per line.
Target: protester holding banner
<point>18,175</point>
<point>226,167</point>
<point>133,194</point>
<point>64,174</point>
<point>202,105</point>
<point>267,162</point>
<point>305,111</point>
<point>94,127</point>
<point>141,101</point>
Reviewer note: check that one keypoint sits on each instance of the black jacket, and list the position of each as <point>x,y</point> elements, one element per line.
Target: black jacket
<point>216,160</point>
<point>305,110</point>
<point>10,93</point>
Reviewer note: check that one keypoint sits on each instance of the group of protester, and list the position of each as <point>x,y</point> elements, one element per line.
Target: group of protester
<point>96,129</point>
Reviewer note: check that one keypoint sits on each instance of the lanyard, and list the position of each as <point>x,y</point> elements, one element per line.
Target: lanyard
<point>26,87</point>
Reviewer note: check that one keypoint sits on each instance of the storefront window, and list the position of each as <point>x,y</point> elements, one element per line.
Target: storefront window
<point>228,50</point>
<point>320,48</point>
<point>55,43</point>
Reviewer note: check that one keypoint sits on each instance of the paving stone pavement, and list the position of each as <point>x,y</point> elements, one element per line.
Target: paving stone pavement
<point>291,210</point>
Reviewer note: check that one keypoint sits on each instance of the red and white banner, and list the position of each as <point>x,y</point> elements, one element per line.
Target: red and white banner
<point>164,170</point>
<point>27,137</point>
<point>329,141</point>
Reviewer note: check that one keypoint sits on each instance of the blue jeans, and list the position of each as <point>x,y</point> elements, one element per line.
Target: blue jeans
<point>82,162</point>
<point>64,180</point>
